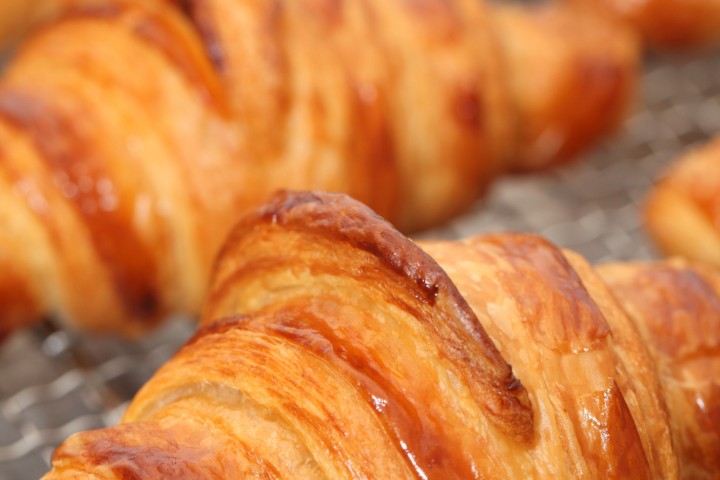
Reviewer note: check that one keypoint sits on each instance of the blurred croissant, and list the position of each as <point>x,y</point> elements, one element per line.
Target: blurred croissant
<point>17,17</point>
<point>668,24</point>
<point>132,133</point>
<point>333,347</point>
<point>682,211</point>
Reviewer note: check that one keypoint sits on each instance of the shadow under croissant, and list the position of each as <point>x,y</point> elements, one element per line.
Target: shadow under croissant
<point>333,346</point>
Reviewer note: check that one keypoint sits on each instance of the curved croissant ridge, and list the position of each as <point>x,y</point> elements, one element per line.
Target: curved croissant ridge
<point>675,305</point>
<point>133,132</point>
<point>333,347</point>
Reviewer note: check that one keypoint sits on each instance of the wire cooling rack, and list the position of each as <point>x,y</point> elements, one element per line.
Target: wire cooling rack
<point>54,383</point>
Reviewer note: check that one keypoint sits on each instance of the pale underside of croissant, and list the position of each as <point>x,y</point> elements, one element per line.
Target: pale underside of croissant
<point>668,24</point>
<point>132,133</point>
<point>333,347</point>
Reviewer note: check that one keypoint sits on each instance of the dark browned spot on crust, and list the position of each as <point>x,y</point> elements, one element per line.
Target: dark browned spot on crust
<point>460,336</point>
<point>467,107</point>
<point>71,160</point>
<point>199,14</point>
<point>185,6</point>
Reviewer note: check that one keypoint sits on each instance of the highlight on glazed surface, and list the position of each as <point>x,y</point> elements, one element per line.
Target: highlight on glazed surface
<point>333,347</point>
<point>675,306</point>
<point>133,132</point>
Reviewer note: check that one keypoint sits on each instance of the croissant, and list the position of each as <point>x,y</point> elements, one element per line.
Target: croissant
<point>574,92</point>
<point>681,210</point>
<point>331,346</point>
<point>133,133</point>
<point>667,24</point>
<point>17,17</point>
<point>675,307</point>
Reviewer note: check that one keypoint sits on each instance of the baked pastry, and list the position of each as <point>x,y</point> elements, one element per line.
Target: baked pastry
<point>333,347</point>
<point>667,24</point>
<point>675,306</point>
<point>568,93</point>
<point>17,17</point>
<point>133,133</point>
<point>682,212</point>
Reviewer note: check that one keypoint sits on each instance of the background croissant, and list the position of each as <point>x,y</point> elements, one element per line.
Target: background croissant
<point>682,209</point>
<point>333,347</point>
<point>667,24</point>
<point>133,132</point>
<point>16,18</point>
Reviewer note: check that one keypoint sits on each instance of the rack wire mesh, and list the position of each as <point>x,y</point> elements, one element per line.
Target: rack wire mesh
<point>54,383</point>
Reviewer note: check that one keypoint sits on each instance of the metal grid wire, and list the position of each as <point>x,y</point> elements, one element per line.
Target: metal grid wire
<point>54,383</point>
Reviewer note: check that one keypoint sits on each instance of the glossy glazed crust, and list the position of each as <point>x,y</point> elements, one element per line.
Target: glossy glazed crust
<point>557,324</point>
<point>669,24</point>
<point>676,308</point>
<point>134,133</point>
<point>333,346</point>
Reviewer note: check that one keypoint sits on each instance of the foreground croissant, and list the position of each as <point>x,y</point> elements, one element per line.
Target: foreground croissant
<point>333,347</point>
<point>133,132</point>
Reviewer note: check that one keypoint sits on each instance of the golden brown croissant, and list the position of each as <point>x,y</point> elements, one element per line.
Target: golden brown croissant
<point>682,212</point>
<point>333,347</point>
<point>17,17</point>
<point>559,86</point>
<point>674,24</point>
<point>133,133</point>
<point>676,309</point>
